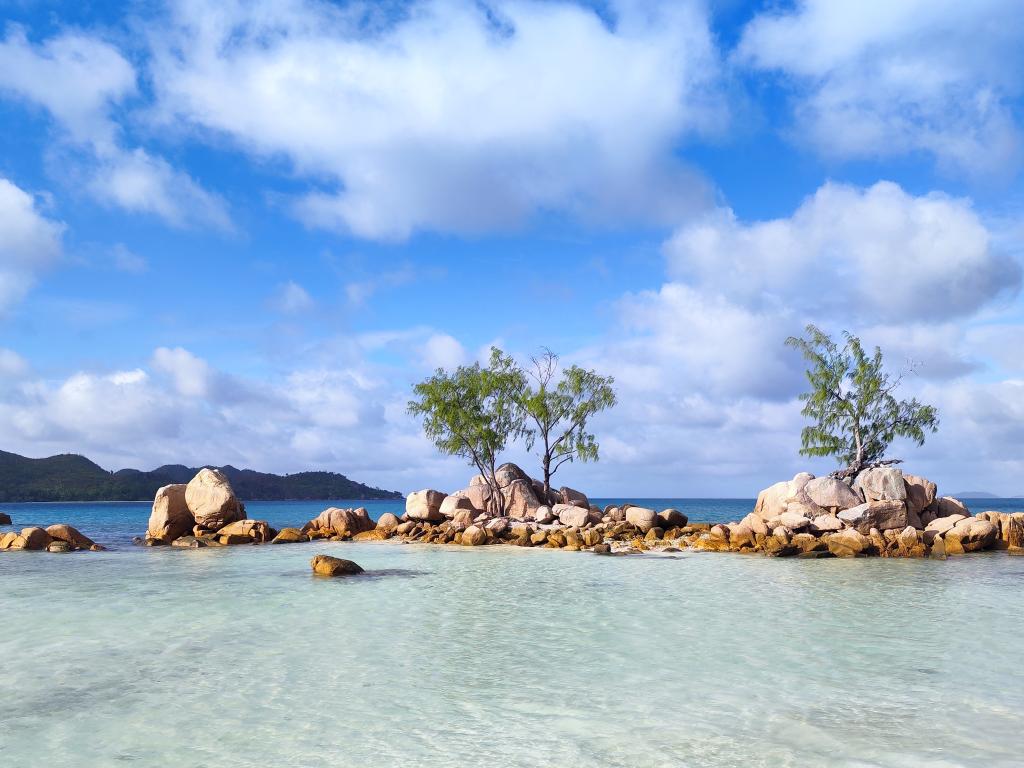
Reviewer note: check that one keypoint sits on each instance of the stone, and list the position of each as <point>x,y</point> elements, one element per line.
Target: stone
<point>882,515</point>
<point>508,473</point>
<point>654,534</point>
<point>806,542</point>
<point>464,518</point>
<point>952,543</point>
<point>289,536</point>
<point>543,514</point>
<point>602,549</point>
<point>5,519</point>
<point>498,526</point>
<point>339,522</point>
<point>826,524</point>
<point>325,565</point>
<point>947,505</point>
<point>881,484</point>
<point>568,495</point>
<point>453,502</point>
<point>474,536</point>
<point>615,514</point>
<point>755,523</point>
<point>793,521</point>
<point>212,501</point>
<point>540,537</point>
<point>72,536</point>
<point>938,550</point>
<point>920,493</point>
<point>943,524</point>
<point>377,534</point>
<point>642,518</point>
<point>257,530</point>
<point>59,546</point>
<point>189,542</point>
<point>234,539</point>
<point>592,537</point>
<point>6,539</point>
<point>170,517</point>
<point>672,518</point>
<point>521,500</point>
<point>33,538</point>
<point>847,543</point>
<point>570,514</point>
<point>424,505</point>
<point>832,494</point>
<point>1013,530</point>
<point>975,534</point>
<point>387,520</point>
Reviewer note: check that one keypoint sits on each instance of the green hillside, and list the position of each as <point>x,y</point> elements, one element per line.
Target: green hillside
<point>70,477</point>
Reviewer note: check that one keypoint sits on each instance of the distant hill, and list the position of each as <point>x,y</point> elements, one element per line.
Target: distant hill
<point>71,477</point>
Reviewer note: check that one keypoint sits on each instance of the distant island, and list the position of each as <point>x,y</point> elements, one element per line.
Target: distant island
<point>981,495</point>
<point>70,477</point>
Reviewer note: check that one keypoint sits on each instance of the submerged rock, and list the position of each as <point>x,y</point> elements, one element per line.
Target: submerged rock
<point>5,519</point>
<point>325,565</point>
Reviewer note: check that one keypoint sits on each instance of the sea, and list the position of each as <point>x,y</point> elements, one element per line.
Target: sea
<point>500,656</point>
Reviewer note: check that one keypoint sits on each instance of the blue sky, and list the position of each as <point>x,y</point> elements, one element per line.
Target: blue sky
<point>240,233</point>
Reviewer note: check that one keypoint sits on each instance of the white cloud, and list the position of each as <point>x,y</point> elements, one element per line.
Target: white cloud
<point>80,80</point>
<point>880,78</point>
<point>291,298</point>
<point>190,374</point>
<point>865,255</point>
<point>123,259</point>
<point>443,351</point>
<point>12,365</point>
<point>29,242</point>
<point>453,117</point>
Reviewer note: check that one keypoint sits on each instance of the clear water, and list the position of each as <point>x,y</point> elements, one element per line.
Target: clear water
<point>448,656</point>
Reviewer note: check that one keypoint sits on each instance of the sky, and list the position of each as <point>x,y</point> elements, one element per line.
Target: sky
<point>238,233</point>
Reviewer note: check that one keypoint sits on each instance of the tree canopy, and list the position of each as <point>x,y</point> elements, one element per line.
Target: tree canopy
<point>472,413</point>
<point>856,415</point>
<point>557,411</point>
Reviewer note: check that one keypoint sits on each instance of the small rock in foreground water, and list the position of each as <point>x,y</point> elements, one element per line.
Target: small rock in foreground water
<point>325,565</point>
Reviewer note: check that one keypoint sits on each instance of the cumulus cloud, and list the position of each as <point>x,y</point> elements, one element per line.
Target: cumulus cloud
<point>878,79</point>
<point>454,116</point>
<point>29,242</point>
<point>858,254</point>
<point>80,80</point>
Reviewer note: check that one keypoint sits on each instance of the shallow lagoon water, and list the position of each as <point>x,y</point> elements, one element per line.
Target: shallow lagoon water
<point>497,656</point>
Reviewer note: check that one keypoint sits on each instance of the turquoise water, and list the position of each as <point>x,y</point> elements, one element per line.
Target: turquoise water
<point>496,656</point>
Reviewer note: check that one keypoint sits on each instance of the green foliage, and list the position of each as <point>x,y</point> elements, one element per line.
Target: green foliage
<point>558,411</point>
<point>856,416</point>
<point>473,413</point>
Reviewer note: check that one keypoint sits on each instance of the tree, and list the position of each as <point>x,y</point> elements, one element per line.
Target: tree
<point>558,412</point>
<point>852,403</point>
<point>473,413</point>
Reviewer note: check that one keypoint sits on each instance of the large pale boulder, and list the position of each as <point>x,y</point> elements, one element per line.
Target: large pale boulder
<point>340,522</point>
<point>474,536</point>
<point>793,521</point>
<point>755,524</point>
<point>826,524</point>
<point>479,496</point>
<point>920,493</point>
<point>388,520</point>
<point>212,501</point>
<point>832,494</point>
<point>543,514</point>
<point>942,524</point>
<point>774,500</point>
<point>425,505</point>
<point>72,536</point>
<point>568,495</point>
<point>171,516</point>
<point>642,518</point>
<point>947,505</point>
<point>520,499</point>
<point>570,514</point>
<point>508,473</point>
<point>883,515</point>
<point>672,518</point>
<point>974,534</point>
<point>881,484</point>
<point>453,502</point>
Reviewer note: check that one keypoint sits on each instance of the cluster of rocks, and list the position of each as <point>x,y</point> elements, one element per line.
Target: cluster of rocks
<point>202,513</point>
<point>881,512</point>
<point>54,538</point>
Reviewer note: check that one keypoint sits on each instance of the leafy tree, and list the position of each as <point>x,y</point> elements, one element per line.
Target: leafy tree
<point>473,413</point>
<point>852,404</point>
<point>557,412</point>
